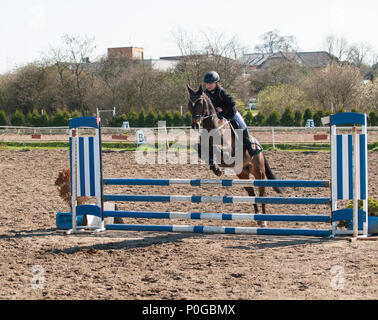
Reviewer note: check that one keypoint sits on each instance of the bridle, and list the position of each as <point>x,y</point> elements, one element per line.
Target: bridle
<point>202,116</point>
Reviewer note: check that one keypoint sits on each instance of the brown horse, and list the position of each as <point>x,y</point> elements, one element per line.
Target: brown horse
<point>202,110</point>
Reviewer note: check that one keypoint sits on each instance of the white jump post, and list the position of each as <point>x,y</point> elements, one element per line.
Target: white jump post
<point>73,181</point>
<point>349,172</point>
<point>86,174</point>
<point>356,182</point>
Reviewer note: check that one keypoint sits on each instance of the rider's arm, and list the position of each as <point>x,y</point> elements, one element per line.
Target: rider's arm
<point>228,104</point>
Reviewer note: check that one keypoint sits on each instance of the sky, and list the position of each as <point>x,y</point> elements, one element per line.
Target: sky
<point>28,28</point>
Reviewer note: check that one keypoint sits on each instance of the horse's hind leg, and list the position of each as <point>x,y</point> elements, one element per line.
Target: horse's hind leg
<point>258,171</point>
<point>262,193</point>
<point>251,191</point>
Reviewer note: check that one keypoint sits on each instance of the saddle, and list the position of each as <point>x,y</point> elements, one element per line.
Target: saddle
<point>252,140</point>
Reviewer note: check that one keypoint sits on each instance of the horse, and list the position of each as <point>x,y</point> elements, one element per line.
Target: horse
<point>202,110</point>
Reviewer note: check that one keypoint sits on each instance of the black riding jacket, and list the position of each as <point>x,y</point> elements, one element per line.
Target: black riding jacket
<point>221,99</point>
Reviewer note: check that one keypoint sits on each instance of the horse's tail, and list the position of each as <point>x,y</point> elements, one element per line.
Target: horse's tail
<point>270,175</point>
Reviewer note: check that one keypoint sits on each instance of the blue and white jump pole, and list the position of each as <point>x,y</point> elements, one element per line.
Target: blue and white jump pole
<point>348,181</point>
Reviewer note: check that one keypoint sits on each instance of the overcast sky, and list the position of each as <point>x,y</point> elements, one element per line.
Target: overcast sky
<point>29,27</point>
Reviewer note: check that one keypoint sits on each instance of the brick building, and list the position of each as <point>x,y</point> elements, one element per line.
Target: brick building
<point>129,52</point>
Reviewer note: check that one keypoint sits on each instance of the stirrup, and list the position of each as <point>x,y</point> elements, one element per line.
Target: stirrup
<point>256,152</point>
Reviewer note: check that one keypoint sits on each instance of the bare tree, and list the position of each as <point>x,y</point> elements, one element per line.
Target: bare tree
<point>226,54</point>
<point>336,46</point>
<point>218,44</point>
<point>210,51</point>
<point>114,73</point>
<point>284,73</point>
<point>70,62</point>
<point>272,42</point>
<point>369,97</point>
<point>360,53</point>
<point>191,59</point>
<point>337,85</point>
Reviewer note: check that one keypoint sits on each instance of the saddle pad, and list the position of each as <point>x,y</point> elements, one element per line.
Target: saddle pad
<point>256,144</point>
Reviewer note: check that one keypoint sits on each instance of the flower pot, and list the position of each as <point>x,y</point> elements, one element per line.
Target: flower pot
<point>321,136</point>
<point>119,137</point>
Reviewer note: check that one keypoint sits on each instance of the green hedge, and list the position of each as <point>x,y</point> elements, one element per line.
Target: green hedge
<point>3,118</point>
<point>372,119</point>
<point>39,119</point>
<point>150,119</point>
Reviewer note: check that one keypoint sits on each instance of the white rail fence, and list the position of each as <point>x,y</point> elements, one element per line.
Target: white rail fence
<point>266,135</point>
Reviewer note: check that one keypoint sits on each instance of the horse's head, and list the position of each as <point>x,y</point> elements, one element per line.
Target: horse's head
<point>198,106</point>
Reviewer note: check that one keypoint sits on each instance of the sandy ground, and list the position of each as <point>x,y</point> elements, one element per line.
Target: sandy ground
<point>38,263</point>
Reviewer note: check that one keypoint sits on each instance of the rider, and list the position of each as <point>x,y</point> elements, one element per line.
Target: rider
<point>225,106</point>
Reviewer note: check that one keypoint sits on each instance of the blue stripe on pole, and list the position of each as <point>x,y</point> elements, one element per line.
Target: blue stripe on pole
<point>195,215</point>
<point>81,166</point>
<point>227,183</point>
<point>222,230</point>
<point>139,227</point>
<point>195,183</point>
<point>142,198</point>
<point>284,200</point>
<point>292,218</point>
<point>291,183</point>
<point>294,232</point>
<point>350,166</point>
<point>137,182</point>
<point>363,185</point>
<point>224,183</point>
<point>217,216</point>
<point>91,166</point>
<point>225,199</point>
<point>198,229</point>
<point>230,230</point>
<point>339,157</point>
<point>226,216</point>
<point>196,199</point>
<point>137,214</point>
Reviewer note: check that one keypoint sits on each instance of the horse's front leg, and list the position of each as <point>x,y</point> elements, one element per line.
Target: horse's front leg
<point>213,166</point>
<point>210,159</point>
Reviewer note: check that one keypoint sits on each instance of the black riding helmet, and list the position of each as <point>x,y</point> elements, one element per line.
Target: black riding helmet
<point>211,76</point>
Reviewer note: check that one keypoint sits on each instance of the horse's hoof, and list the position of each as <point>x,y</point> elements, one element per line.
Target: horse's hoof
<point>215,170</point>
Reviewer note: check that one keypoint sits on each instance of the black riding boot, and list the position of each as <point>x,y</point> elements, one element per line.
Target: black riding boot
<point>247,143</point>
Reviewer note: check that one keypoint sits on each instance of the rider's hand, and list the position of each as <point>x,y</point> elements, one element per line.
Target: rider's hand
<point>219,109</point>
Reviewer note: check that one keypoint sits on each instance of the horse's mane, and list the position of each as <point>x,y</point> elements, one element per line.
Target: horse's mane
<point>210,104</point>
<point>213,114</point>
